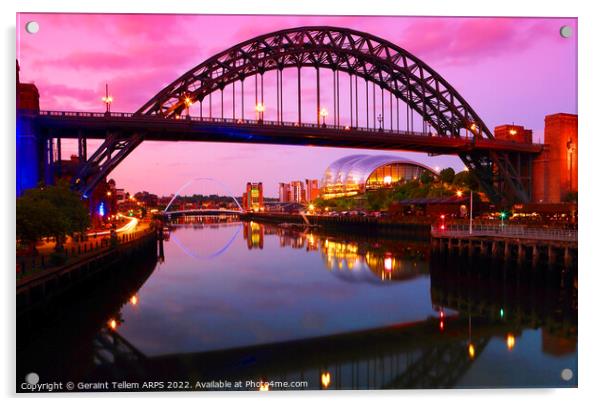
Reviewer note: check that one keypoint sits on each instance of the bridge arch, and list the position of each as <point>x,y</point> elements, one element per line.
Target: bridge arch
<point>193,180</point>
<point>359,54</point>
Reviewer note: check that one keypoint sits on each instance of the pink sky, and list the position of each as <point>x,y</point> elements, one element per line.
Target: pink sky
<point>511,70</point>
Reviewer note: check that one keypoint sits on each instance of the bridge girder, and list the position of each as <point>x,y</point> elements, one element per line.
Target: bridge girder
<point>360,54</point>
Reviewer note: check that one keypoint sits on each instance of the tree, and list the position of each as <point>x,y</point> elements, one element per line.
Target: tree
<point>50,211</point>
<point>466,179</point>
<point>378,199</point>
<point>447,175</point>
<point>426,178</point>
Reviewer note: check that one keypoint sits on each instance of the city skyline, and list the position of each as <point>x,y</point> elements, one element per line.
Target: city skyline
<point>479,61</point>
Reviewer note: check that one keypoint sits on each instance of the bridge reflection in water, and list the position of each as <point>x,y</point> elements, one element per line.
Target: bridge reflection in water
<point>473,309</point>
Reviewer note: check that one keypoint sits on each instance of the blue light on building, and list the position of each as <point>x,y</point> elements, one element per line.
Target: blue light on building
<point>101,209</point>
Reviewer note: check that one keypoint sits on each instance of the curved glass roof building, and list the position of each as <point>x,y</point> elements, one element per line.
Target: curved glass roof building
<point>355,174</point>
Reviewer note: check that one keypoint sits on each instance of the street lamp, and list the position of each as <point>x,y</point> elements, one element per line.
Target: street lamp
<point>323,114</point>
<point>503,216</point>
<point>459,193</point>
<point>260,108</point>
<point>107,99</point>
<point>380,122</point>
<point>187,103</point>
<point>570,147</point>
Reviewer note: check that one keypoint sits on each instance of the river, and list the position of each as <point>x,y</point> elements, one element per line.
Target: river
<point>229,301</point>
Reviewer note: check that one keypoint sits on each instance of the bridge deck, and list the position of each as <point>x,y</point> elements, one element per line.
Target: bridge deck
<point>96,125</point>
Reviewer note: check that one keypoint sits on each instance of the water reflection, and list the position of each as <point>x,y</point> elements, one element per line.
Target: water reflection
<point>387,260</point>
<point>339,311</point>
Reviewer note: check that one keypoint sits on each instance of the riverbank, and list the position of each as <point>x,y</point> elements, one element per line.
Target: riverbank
<point>415,228</point>
<point>37,288</point>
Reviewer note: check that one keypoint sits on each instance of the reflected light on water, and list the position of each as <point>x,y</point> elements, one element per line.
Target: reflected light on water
<point>325,379</point>
<point>471,351</point>
<point>510,341</point>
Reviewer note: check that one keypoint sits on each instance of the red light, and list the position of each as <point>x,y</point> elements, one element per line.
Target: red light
<point>441,325</point>
<point>441,315</point>
<point>442,227</point>
<point>443,217</point>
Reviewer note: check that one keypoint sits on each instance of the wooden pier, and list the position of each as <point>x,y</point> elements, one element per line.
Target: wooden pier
<point>510,243</point>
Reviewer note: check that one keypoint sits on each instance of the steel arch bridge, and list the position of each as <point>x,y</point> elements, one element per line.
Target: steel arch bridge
<point>451,124</point>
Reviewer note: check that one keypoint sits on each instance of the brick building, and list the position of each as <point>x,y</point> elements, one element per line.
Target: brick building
<point>555,169</point>
<point>252,198</point>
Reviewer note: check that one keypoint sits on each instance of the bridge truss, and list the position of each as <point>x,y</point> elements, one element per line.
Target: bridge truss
<point>374,75</point>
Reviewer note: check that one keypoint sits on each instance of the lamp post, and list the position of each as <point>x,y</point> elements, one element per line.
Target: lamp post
<point>570,146</point>
<point>260,108</point>
<point>380,122</point>
<point>323,114</point>
<point>459,193</point>
<point>187,103</point>
<point>107,100</point>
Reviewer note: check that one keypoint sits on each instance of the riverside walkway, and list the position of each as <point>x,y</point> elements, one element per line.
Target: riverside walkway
<point>519,243</point>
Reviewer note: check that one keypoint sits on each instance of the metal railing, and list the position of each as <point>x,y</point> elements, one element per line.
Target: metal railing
<point>511,231</point>
<point>240,121</point>
<point>468,138</point>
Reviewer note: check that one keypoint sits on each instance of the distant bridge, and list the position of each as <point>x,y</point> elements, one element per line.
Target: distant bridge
<point>193,212</point>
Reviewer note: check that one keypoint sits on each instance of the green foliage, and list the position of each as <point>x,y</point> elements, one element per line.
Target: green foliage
<point>50,211</point>
<point>466,179</point>
<point>378,199</point>
<point>447,175</point>
<point>426,178</point>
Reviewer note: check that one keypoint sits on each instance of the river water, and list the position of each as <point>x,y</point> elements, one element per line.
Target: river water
<point>229,301</point>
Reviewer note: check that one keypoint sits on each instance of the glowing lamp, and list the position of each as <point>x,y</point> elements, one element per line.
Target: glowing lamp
<point>112,324</point>
<point>325,379</point>
<point>388,264</point>
<point>388,180</point>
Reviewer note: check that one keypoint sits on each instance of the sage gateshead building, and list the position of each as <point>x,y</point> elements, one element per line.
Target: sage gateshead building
<point>357,174</point>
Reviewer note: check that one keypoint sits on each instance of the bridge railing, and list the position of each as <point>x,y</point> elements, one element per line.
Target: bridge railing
<point>266,123</point>
<point>511,231</point>
<point>237,121</point>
